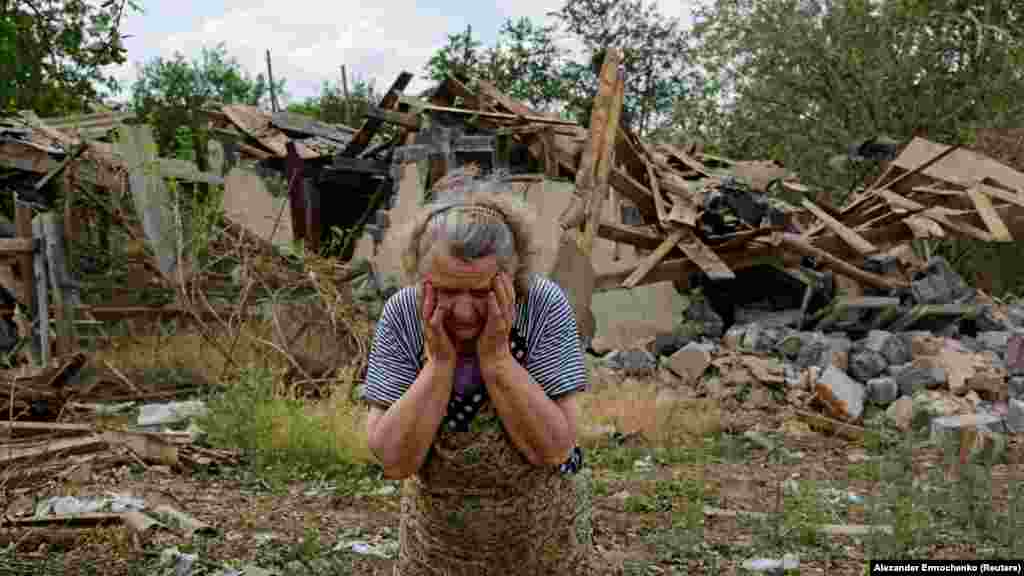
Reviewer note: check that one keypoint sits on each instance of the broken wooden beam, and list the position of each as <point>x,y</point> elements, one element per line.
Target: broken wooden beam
<point>714,267</point>
<point>654,258</point>
<point>678,269</point>
<point>403,119</point>
<point>606,154</point>
<point>805,248</point>
<point>988,214</point>
<point>855,240</point>
<point>637,193</point>
<point>632,235</point>
<point>370,126</point>
<point>492,115</point>
<point>935,214</point>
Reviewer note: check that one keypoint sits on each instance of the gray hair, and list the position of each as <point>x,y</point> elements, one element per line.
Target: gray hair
<point>472,218</point>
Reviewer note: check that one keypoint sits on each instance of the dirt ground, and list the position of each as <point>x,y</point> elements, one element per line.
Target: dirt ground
<point>639,517</point>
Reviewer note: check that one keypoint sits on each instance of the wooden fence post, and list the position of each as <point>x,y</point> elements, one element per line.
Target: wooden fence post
<point>23,229</point>
<point>59,282</point>
<point>42,295</point>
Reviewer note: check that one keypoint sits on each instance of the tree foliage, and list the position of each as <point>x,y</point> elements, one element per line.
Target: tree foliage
<point>531,63</point>
<point>654,55</point>
<point>803,79</point>
<point>332,105</point>
<point>526,62</point>
<point>54,54</point>
<point>171,94</point>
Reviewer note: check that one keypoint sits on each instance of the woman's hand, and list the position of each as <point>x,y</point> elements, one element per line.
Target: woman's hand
<point>493,346</point>
<point>437,343</point>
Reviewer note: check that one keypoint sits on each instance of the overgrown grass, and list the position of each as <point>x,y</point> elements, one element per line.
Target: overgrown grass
<point>289,437</point>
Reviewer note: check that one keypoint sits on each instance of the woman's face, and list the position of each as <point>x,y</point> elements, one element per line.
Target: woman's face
<point>463,287</point>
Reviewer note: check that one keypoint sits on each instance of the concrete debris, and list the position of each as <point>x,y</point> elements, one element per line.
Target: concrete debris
<point>1015,354</point>
<point>1015,415</point>
<point>824,351</point>
<point>1015,387</point>
<point>633,362</point>
<point>883,391</point>
<point>691,361</point>
<point>915,378</point>
<point>842,396</point>
<point>894,348</point>
<point>938,283</point>
<point>866,364</point>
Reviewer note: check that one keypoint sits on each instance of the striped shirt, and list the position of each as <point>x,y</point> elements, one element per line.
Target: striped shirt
<point>554,357</point>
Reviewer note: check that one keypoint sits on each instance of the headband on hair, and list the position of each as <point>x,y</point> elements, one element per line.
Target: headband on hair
<point>485,211</point>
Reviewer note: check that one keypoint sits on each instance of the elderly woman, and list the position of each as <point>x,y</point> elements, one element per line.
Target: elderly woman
<point>472,384</point>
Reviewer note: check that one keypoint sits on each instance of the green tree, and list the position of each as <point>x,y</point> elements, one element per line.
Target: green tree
<point>332,106</point>
<point>803,79</point>
<point>461,57</point>
<point>172,93</point>
<point>525,62</point>
<point>655,56</point>
<point>54,54</point>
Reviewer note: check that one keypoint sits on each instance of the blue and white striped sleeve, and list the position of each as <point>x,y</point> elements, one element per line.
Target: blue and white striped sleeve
<point>393,364</point>
<point>556,360</point>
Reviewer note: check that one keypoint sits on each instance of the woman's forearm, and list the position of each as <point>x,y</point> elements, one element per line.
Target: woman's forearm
<point>535,423</point>
<point>402,436</point>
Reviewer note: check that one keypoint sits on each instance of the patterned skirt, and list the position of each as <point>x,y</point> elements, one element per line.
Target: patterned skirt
<point>477,507</point>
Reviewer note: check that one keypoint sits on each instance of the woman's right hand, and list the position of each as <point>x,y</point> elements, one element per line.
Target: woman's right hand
<point>438,345</point>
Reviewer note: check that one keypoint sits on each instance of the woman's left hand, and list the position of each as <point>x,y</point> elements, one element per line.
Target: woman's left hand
<point>493,345</point>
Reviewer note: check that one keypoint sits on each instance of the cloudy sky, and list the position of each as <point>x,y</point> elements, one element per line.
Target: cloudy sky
<point>309,40</point>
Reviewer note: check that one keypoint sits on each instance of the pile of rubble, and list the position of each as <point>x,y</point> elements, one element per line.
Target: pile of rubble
<point>960,361</point>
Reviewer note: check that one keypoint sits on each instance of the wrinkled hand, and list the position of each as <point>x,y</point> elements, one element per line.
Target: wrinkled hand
<point>437,343</point>
<point>493,345</point>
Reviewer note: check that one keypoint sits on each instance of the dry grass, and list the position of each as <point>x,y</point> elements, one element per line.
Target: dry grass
<point>633,406</point>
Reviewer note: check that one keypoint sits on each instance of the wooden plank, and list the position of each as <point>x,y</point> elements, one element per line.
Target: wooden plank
<point>995,224</point>
<point>302,124</point>
<point>605,120</point>
<point>636,192</point>
<point>56,171</point>
<point>805,248</point>
<point>686,160</point>
<point>404,119</point>
<point>655,257</point>
<point>659,202</point>
<point>23,228</point>
<point>494,115</point>
<point>856,241</point>
<point>962,167</point>
<point>1001,194</point>
<point>921,166</point>
<point>256,124</point>
<point>678,269</point>
<point>632,235</point>
<point>937,215</point>
<point>17,246</point>
<point>704,257</point>
<point>370,126</point>
<point>90,443</point>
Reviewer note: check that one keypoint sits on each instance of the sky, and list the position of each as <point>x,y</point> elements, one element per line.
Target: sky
<point>309,40</point>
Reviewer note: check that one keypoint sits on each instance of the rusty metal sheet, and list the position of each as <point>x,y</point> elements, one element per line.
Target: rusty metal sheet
<point>257,124</point>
